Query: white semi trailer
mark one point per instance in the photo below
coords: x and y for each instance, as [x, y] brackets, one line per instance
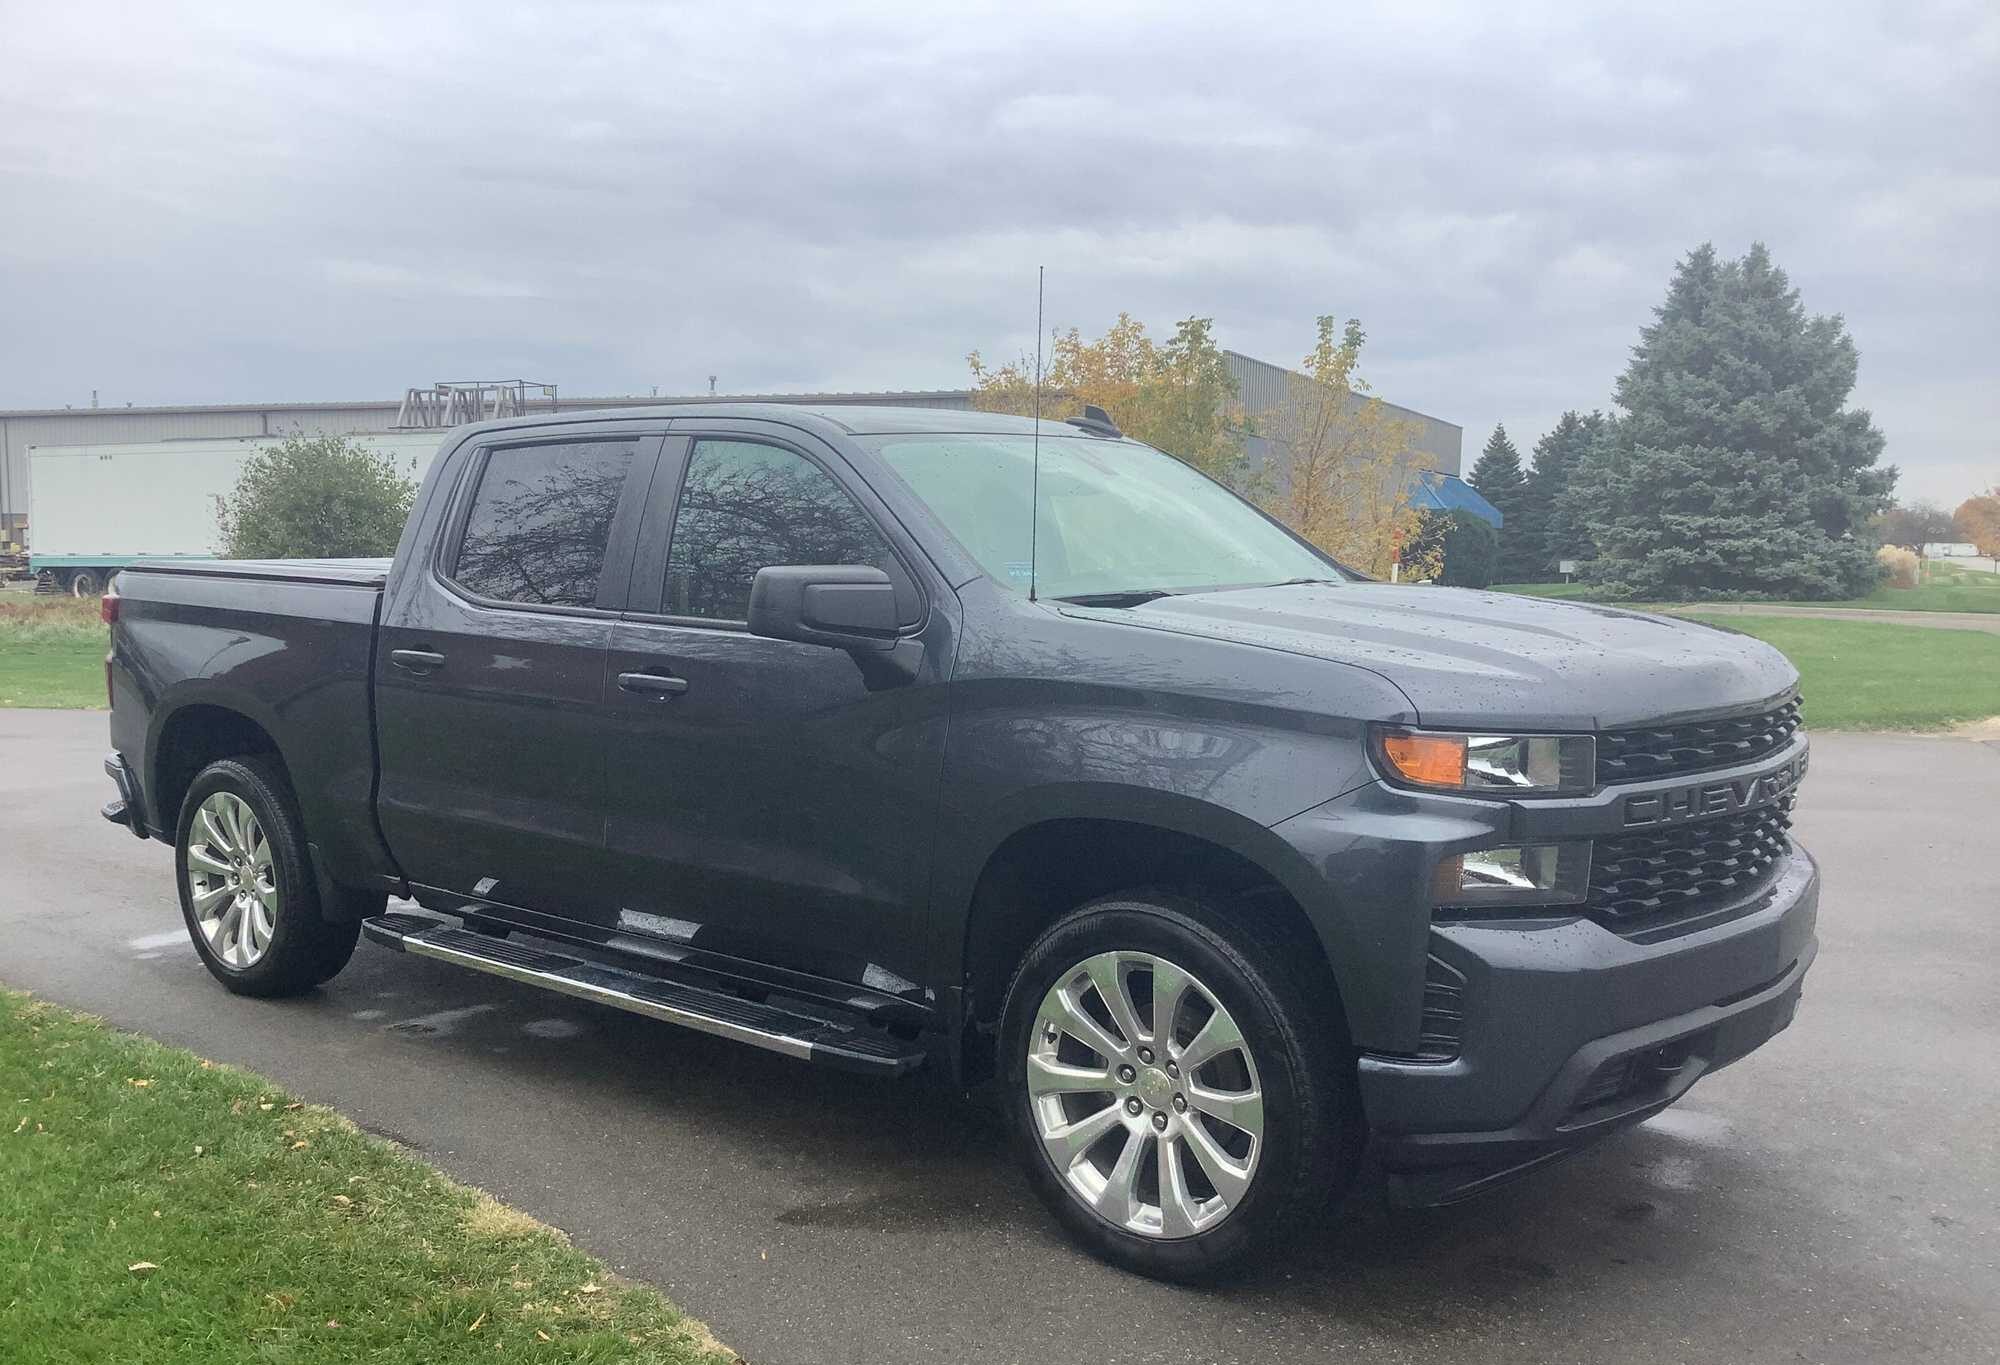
[95, 509]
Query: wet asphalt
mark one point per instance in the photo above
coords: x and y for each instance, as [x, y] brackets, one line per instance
[1834, 1198]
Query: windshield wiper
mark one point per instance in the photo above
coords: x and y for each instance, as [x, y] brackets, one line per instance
[1130, 597]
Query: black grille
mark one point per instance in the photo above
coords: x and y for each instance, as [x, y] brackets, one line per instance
[1632, 755]
[1669, 875]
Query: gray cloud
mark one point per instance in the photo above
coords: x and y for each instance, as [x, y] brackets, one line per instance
[270, 202]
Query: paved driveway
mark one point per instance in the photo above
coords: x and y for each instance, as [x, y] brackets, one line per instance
[1833, 1198]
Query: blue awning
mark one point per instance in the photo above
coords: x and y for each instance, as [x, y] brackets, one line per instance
[1435, 491]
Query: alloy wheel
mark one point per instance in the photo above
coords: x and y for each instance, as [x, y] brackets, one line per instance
[232, 881]
[1145, 1095]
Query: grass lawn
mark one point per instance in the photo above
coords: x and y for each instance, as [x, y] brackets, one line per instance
[1871, 675]
[157, 1208]
[51, 652]
[1946, 587]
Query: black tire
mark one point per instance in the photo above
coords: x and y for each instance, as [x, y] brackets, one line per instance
[1262, 971]
[305, 948]
[84, 583]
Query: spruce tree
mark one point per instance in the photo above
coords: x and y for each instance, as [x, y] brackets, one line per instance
[1498, 477]
[1735, 468]
[1551, 490]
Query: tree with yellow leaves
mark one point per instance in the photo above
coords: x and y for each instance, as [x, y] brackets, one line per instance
[1177, 396]
[1343, 463]
[1978, 520]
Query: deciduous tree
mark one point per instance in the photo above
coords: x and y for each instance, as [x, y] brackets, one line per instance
[1978, 520]
[1177, 396]
[315, 497]
[1342, 461]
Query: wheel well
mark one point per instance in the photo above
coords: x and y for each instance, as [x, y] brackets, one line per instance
[1041, 873]
[195, 737]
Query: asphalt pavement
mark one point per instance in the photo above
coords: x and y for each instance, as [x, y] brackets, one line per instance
[1834, 1198]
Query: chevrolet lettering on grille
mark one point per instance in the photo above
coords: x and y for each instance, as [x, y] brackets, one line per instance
[1706, 800]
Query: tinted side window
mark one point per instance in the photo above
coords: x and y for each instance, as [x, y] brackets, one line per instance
[745, 507]
[540, 521]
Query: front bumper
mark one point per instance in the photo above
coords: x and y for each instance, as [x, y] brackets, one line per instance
[1572, 1032]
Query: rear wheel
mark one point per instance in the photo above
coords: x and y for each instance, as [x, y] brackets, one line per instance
[85, 583]
[247, 889]
[1180, 1088]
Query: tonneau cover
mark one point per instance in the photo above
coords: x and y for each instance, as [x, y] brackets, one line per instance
[351, 573]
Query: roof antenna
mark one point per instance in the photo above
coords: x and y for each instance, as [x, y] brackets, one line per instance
[1035, 486]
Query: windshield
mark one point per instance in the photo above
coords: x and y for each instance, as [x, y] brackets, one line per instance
[1116, 517]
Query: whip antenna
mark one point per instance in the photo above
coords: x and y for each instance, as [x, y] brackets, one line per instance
[1035, 484]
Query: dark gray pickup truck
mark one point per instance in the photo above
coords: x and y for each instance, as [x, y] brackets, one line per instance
[1222, 869]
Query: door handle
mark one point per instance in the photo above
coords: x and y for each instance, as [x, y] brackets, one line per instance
[416, 660]
[652, 684]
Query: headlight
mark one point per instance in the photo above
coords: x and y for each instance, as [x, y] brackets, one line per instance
[1517, 875]
[1488, 765]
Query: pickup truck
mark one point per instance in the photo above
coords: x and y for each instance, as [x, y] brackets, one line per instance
[1022, 753]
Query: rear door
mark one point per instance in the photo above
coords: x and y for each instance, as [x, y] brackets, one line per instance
[765, 801]
[490, 670]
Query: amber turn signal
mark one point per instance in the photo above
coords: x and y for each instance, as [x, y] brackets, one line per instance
[1432, 760]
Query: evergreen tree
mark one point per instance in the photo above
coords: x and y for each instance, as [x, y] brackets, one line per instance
[1551, 496]
[1497, 475]
[1735, 469]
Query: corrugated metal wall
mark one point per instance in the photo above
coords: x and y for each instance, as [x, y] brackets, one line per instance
[1261, 387]
[93, 426]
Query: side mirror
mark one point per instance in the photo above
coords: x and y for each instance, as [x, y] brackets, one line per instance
[843, 606]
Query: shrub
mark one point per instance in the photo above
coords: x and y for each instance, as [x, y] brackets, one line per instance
[1899, 564]
[315, 497]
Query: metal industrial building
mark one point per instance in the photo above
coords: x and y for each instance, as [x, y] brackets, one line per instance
[1260, 384]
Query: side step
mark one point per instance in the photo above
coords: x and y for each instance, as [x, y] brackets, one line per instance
[767, 1026]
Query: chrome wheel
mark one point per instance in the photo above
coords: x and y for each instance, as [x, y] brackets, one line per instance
[1145, 1095]
[232, 883]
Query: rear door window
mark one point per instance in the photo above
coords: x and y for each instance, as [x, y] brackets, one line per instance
[540, 521]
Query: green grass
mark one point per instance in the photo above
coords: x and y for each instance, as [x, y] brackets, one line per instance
[1872, 675]
[276, 1231]
[1946, 587]
[51, 652]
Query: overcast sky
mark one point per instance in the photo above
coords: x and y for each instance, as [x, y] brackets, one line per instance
[209, 203]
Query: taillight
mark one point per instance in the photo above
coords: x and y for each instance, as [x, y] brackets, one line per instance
[107, 608]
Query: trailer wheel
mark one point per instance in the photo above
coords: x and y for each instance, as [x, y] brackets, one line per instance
[85, 584]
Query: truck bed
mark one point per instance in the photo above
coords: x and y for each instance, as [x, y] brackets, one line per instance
[344, 573]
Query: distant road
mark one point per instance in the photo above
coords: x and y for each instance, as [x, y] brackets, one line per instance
[1936, 620]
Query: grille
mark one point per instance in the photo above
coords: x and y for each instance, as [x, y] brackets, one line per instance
[1667, 876]
[1631, 755]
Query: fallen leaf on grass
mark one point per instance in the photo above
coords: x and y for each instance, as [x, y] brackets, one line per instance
[477, 1323]
[138, 1082]
[300, 1143]
[295, 1104]
[267, 1105]
[199, 1150]
[331, 1323]
[540, 1335]
[284, 1301]
[22, 1124]
[590, 1289]
[141, 1269]
[343, 1201]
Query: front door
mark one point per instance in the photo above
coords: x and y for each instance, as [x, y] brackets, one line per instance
[490, 673]
[763, 802]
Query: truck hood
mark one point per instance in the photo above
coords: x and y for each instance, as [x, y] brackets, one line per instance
[1486, 659]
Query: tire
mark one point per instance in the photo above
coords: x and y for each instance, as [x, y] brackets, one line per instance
[281, 942]
[84, 583]
[1290, 1083]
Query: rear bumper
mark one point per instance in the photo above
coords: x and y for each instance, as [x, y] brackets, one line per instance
[1572, 1033]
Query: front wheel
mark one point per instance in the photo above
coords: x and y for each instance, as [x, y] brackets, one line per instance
[248, 892]
[1179, 1084]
